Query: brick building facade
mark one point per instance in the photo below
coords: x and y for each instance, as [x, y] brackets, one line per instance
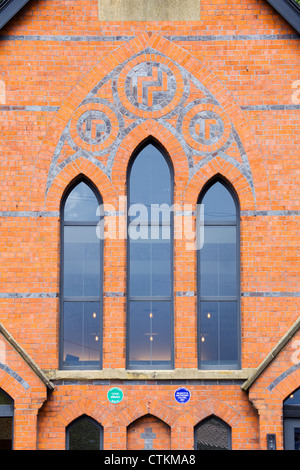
[218, 99]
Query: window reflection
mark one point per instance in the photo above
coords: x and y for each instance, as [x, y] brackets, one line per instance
[81, 261]
[150, 334]
[150, 261]
[81, 204]
[218, 204]
[218, 269]
[218, 261]
[81, 333]
[81, 276]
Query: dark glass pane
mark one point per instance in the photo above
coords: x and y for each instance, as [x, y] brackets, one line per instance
[150, 181]
[81, 342]
[6, 433]
[84, 434]
[297, 438]
[150, 267]
[228, 333]
[212, 435]
[81, 205]
[81, 261]
[5, 399]
[218, 263]
[293, 399]
[150, 334]
[219, 334]
[150, 199]
[209, 343]
[218, 204]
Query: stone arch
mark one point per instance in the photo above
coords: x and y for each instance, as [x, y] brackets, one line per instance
[75, 409]
[13, 384]
[216, 408]
[151, 130]
[69, 173]
[219, 167]
[148, 432]
[176, 60]
[285, 384]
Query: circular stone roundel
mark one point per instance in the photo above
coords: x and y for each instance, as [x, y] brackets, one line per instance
[94, 126]
[150, 86]
[206, 127]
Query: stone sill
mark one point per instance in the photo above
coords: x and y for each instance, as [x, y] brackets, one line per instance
[123, 374]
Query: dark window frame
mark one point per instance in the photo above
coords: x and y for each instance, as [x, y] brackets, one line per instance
[219, 178]
[7, 411]
[291, 410]
[135, 154]
[79, 179]
[89, 418]
[221, 421]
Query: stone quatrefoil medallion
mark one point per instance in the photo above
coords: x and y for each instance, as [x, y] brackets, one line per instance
[206, 127]
[149, 86]
[150, 89]
[94, 127]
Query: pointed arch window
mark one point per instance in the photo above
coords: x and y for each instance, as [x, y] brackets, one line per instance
[219, 279]
[84, 433]
[150, 260]
[6, 421]
[212, 434]
[81, 278]
[291, 421]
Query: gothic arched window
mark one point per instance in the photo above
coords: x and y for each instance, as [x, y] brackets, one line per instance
[6, 421]
[84, 433]
[150, 260]
[212, 434]
[81, 278]
[219, 279]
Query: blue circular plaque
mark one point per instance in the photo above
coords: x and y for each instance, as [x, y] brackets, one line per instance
[182, 395]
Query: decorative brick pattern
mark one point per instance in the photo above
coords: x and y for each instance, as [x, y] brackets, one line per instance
[145, 432]
[149, 86]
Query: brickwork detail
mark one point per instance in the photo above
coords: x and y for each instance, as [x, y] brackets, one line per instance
[149, 86]
[148, 433]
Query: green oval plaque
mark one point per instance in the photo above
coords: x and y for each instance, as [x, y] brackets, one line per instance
[115, 395]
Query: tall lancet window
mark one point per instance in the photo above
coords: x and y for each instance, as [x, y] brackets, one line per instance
[150, 260]
[219, 279]
[81, 278]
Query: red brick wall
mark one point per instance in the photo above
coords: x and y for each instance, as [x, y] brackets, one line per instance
[247, 58]
[147, 431]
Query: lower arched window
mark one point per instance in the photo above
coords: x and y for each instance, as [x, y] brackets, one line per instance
[291, 421]
[84, 434]
[212, 434]
[6, 421]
